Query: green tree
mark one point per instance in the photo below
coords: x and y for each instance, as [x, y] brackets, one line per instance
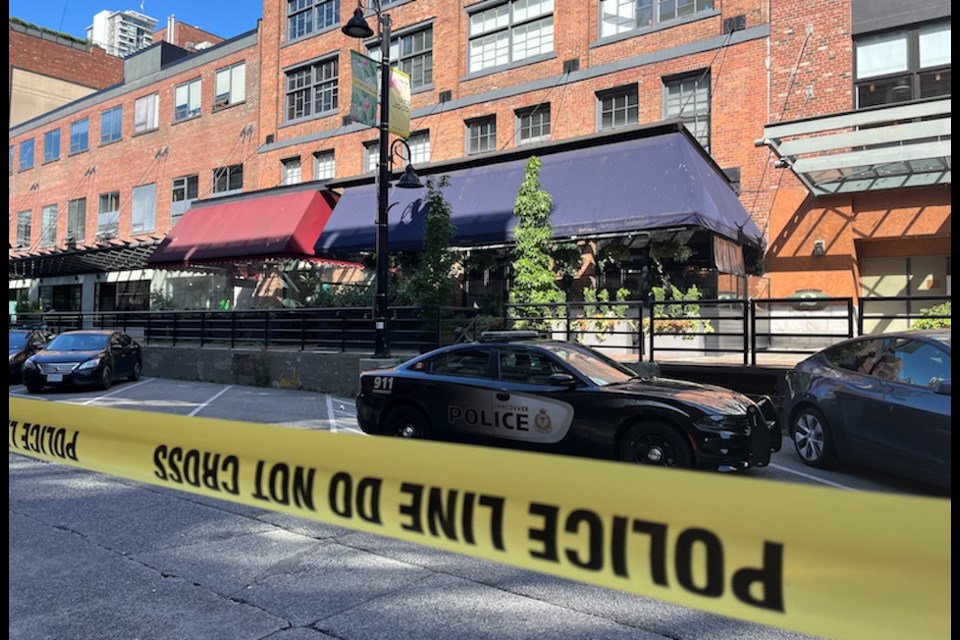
[432, 285]
[534, 280]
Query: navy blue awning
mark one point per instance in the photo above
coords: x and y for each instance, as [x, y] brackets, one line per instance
[642, 184]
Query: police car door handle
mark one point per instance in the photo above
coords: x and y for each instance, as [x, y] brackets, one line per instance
[503, 396]
[429, 386]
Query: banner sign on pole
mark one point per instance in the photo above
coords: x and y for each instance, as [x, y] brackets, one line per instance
[363, 95]
[399, 103]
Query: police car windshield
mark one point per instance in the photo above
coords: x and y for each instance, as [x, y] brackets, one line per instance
[600, 369]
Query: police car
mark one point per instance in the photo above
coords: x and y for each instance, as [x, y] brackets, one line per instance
[515, 389]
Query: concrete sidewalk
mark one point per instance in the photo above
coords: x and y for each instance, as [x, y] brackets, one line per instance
[93, 557]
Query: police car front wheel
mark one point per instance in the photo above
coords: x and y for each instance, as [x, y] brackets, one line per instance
[406, 422]
[655, 444]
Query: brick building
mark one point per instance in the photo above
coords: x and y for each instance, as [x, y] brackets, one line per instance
[493, 82]
[46, 70]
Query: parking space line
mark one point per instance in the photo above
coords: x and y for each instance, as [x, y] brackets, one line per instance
[330, 418]
[116, 391]
[215, 396]
[814, 478]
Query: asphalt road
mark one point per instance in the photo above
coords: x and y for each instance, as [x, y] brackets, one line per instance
[99, 557]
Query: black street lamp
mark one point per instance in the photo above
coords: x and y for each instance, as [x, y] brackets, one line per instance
[357, 27]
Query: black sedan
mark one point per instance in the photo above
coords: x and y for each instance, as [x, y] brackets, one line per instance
[512, 390]
[84, 358]
[880, 401]
[25, 340]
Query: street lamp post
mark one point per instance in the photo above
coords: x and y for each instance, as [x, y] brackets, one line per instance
[357, 27]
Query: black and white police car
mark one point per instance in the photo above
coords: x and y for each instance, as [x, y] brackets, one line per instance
[517, 390]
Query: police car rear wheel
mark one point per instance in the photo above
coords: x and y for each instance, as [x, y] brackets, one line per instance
[655, 444]
[406, 422]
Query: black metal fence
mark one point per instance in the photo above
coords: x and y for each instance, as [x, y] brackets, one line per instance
[751, 331]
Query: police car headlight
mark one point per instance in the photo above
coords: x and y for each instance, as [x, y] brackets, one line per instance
[724, 423]
[29, 364]
[89, 364]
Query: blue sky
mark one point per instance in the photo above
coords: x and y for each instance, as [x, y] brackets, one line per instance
[225, 18]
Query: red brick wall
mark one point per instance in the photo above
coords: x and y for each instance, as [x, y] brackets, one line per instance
[195, 146]
[92, 68]
[186, 36]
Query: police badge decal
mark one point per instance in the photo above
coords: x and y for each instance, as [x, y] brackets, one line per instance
[542, 422]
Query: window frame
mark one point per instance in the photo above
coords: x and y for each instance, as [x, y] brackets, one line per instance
[702, 81]
[26, 154]
[108, 219]
[303, 97]
[228, 175]
[76, 220]
[406, 62]
[24, 228]
[306, 15]
[652, 15]
[48, 225]
[530, 112]
[51, 154]
[184, 111]
[508, 27]
[490, 136]
[630, 91]
[320, 160]
[143, 219]
[291, 171]
[181, 193]
[233, 94]
[893, 82]
[151, 113]
[111, 125]
[76, 138]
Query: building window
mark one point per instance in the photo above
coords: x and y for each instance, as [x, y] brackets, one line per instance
[371, 156]
[509, 32]
[688, 98]
[26, 154]
[230, 86]
[291, 171]
[312, 90]
[144, 215]
[419, 142]
[481, 135]
[110, 125]
[79, 136]
[413, 54]
[620, 16]
[23, 229]
[323, 165]
[227, 180]
[77, 220]
[897, 66]
[618, 108]
[186, 189]
[51, 145]
[48, 225]
[108, 220]
[310, 16]
[533, 124]
[186, 100]
[145, 113]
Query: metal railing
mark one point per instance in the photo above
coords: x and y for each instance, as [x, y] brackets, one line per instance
[748, 331]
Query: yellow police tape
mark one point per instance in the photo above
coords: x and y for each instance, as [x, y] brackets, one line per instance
[839, 564]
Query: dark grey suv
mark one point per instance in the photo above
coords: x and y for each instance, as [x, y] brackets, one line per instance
[881, 401]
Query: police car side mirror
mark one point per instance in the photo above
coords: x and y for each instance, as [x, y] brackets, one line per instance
[561, 380]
